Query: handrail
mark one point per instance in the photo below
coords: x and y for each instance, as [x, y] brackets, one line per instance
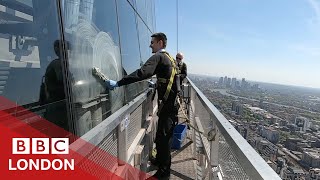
[252, 163]
[98, 133]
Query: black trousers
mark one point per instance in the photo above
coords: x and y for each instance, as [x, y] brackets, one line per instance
[166, 123]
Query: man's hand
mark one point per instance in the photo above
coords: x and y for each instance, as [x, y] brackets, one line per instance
[111, 84]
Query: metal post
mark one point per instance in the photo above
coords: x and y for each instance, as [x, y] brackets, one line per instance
[214, 153]
[122, 141]
[202, 163]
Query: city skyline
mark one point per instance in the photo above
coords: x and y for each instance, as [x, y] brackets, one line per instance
[274, 42]
[255, 81]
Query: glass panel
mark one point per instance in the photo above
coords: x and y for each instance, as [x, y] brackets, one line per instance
[128, 37]
[144, 40]
[31, 71]
[130, 53]
[142, 9]
[91, 28]
[149, 13]
[153, 22]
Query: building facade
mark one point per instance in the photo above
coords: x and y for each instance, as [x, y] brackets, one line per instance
[64, 40]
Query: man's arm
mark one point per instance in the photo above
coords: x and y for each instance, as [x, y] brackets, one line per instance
[146, 71]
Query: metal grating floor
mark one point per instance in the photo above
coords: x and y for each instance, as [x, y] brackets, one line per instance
[183, 162]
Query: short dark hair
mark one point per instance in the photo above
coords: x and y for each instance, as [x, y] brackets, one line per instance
[160, 36]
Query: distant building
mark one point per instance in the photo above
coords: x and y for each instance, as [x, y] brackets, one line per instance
[255, 87]
[243, 83]
[311, 158]
[267, 149]
[291, 143]
[221, 81]
[237, 84]
[303, 123]
[237, 107]
[294, 173]
[281, 166]
[225, 80]
[233, 83]
[314, 173]
[228, 82]
[271, 134]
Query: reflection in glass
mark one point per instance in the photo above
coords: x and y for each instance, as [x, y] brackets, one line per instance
[52, 89]
[95, 44]
[28, 31]
[144, 40]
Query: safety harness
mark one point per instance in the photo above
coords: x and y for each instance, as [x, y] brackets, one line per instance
[211, 134]
[163, 80]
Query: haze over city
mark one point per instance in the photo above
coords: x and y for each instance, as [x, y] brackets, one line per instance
[269, 41]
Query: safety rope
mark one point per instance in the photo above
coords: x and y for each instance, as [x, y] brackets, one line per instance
[210, 136]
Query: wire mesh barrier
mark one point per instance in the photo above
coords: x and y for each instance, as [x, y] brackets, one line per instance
[232, 157]
[134, 125]
[226, 156]
[228, 162]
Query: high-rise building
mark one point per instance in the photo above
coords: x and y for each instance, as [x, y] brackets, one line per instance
[237, 107]
[243, 83]
[228, 82]
[233, 82]
[221, 81]
[225, 80]
[302, 123]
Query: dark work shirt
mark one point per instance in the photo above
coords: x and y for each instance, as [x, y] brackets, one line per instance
[182, 70]
[54, 81]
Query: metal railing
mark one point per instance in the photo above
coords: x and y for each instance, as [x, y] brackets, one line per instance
[125, 137]
[128, 135]
[228, 155]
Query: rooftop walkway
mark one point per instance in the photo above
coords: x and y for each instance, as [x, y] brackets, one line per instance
[183, 163]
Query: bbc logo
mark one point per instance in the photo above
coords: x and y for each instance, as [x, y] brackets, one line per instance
[40, 146]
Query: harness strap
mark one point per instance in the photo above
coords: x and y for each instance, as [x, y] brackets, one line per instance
[173, 72]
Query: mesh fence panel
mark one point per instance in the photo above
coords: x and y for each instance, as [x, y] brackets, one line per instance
[134, 125]
[229, 163]
[109, 145]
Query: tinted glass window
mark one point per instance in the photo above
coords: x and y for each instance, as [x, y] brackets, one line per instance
[142, 9]
[31, 71]
[144, 40]
[91, 28]
[128, 37]
[130, 52]
[149, 13]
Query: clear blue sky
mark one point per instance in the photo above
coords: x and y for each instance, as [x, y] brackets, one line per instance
[263, 40]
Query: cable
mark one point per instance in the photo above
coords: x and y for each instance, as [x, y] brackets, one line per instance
[211, 134]
[177, 26]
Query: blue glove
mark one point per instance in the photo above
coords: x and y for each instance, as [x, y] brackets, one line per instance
[111, 84]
